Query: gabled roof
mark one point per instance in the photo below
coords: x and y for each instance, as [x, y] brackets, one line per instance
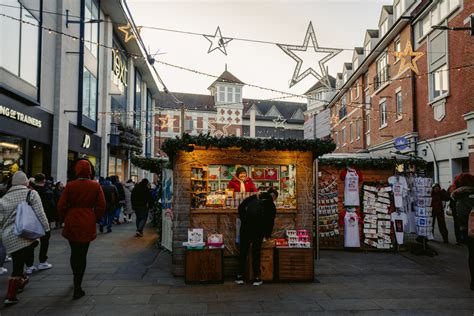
[359, 50]
[286, 109]
[273, 112]
[199, 102]
[226, 77]
[253, 106]
[348, 66]
[373, 33]
[319, 84]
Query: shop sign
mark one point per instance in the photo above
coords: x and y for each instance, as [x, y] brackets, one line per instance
[401, 143]
[20, 116]
[119, 69]
[86, 143]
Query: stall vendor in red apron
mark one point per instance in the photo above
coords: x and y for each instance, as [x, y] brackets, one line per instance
[241, 182]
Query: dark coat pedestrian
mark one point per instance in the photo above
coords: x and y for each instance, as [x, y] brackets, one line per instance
[438, 196]
[142, 202]
[463, 194]
[82, 204]
[111, 201]
[257, 216]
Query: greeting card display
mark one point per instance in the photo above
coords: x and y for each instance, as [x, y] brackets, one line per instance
[258, 174]
[271, 174]
[215, 241]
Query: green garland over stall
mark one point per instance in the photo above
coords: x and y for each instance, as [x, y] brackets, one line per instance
[317, 146]
[151, 164]
[373, 163]
[130, 139]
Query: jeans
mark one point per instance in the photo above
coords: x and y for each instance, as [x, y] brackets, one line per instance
[118, 210]
[142, 216]
[21, 257]
[44, 246]
[248, 237]
[3, 254]
[107, 219]
[78, 261]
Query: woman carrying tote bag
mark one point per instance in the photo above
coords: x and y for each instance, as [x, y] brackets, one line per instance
[19, 247]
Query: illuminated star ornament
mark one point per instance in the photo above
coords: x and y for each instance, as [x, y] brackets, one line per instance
[127, 30]
[217, 41]
[408, 52]
[166, 121]
[297, 75]
[279, 122]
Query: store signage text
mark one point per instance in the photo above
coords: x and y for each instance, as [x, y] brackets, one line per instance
[19, 116]
[86, 142]
[119, 67]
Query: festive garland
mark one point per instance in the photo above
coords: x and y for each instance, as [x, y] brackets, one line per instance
[130, 139]
[154, 165]
[374, 163]
[187, 142]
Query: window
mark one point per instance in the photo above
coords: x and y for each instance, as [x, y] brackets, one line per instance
[367, 122]
[425, 26]
[343, 136]
[397, 9]
[349, 96]
[440, 82]
[148, 121]
[366, 81]
[382, 71]
[91, 30]
[435, 15]
[343, 109]
[384, 28]
[439, 74]
[351, 134]
[221, 95]
[230, 94]
[355, 63]
[358, 129]
[443, 9]
[397, 48]
[336, 139]
[383, 114]
[356, 90]
[138, 101]
[367, 48]
[238, 94]
[89, 94]
[399, 104]
[367, 101]
[19, 54]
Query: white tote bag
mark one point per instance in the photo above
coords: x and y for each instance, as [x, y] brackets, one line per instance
[27, 224]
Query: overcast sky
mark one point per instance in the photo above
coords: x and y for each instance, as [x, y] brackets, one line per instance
[337, 23]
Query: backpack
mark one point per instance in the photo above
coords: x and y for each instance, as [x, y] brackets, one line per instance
[27, 224]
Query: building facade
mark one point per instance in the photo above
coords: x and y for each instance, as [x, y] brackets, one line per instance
[67, 77]
[385, 108]
[226, 112]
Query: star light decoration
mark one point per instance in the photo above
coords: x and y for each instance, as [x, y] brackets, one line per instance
[166, 121]
[217, 41]
[297, 76]
[408, 52]
[127, 30]
[279, 122]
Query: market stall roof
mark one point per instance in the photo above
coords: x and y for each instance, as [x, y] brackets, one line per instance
[370, 160]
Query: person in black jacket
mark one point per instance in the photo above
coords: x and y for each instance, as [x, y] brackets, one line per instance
[257, 216]
[121, 198]
[111, 201]
[142, 201]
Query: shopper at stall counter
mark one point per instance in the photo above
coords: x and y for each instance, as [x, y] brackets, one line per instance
[241, 182]
[463, 194]
[257, 214]
[438, 196]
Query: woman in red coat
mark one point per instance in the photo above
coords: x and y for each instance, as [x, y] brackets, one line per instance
[241, 183]
[81, 205]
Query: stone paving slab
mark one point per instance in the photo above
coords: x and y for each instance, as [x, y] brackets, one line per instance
[130, 276]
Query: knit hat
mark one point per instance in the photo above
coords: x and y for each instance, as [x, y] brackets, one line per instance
[19, 178]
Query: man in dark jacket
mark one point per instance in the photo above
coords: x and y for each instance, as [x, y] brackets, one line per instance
[142, 201]
[49, 206]
[257, 216]
[121, 197]
[438, 196]
[111, 201]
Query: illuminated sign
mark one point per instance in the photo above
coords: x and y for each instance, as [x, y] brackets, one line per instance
[87, 142]
[19, 116]
[119, 69]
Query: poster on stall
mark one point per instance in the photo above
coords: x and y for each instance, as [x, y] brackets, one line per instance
[167, 218]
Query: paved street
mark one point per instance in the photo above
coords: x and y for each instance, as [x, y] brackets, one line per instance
[128, 276]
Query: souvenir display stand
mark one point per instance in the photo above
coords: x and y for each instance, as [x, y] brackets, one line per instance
[368, 219]
[201, 198]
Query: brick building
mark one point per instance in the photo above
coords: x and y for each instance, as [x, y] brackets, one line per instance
[225, 112]
[377, 103]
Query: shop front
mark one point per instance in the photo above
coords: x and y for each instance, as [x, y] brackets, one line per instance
[204, 200]
[25, 138]
[84, 144]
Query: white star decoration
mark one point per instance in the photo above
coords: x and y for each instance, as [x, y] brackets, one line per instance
[217, 41]
[279, 122]
[297, 76]
[166, 121]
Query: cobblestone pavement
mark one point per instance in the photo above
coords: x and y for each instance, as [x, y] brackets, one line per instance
[127, 275]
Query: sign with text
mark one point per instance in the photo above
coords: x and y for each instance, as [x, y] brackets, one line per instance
[20, 116]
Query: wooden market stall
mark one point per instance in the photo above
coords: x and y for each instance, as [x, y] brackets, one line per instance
[374, 170]
[202, 169]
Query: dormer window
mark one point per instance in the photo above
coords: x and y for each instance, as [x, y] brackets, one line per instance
[367, 48]
[384, 28]
[229, 94]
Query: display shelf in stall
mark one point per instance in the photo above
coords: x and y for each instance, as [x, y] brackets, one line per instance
[204, 266]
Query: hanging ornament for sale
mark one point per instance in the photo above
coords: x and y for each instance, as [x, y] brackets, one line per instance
[217, 42]
[322, 76]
